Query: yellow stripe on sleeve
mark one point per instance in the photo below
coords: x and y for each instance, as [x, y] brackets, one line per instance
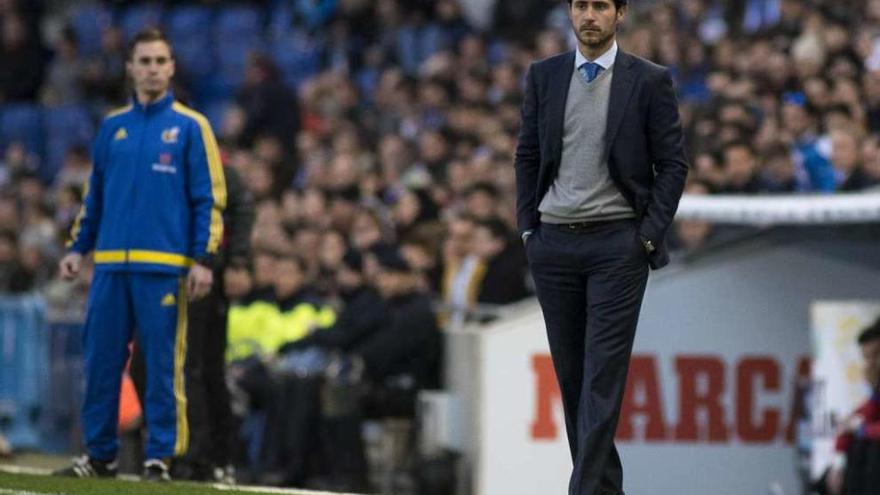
[215, 169]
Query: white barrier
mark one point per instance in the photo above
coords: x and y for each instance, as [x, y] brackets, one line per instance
[787, 209]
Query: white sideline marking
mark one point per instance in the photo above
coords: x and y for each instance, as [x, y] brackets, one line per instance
[4, 491]
[7, 468]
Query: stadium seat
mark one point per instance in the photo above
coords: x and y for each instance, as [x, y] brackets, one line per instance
[186, 26]
[237, 33]
[245, 22]
[214, 112]
[298, 58]
[280, 20]
[89, 23]
[21, 122]
[64, 127]
[139, 16]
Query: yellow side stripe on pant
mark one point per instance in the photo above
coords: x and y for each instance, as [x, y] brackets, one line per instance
[181, 444]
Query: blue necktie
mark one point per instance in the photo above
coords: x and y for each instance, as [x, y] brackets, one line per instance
[590, 71]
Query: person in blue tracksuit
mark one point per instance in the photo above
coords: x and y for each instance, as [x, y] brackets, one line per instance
[153, 217]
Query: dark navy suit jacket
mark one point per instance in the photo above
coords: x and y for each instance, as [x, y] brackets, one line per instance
[643, 141]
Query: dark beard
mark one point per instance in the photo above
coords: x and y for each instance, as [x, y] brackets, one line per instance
[596, 44]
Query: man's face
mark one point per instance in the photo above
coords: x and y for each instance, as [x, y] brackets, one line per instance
[151, 67]
[740, 163]
[391, 282]
[844, 151]
[288, 277]
[595, 21]
[871, 354]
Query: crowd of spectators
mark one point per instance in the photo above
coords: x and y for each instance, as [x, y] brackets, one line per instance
[387, 127]
[402, 117]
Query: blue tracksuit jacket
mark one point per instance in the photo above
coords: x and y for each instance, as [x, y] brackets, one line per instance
[156, 194]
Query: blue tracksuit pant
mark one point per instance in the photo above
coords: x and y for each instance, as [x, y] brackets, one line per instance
[154, 306]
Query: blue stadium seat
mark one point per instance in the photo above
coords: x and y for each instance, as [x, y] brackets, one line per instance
[139, 16]
[280, 20]
[238, 31]
[64, 127]
[240, 21]
[298, 57]
[232, 58]
[89, 22]
[214, 112]
[186, 27]
[21, 122]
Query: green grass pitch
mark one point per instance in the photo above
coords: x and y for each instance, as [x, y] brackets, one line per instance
[15, 483]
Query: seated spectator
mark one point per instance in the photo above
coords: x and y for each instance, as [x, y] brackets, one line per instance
[778, 170]
[414, 208]
[23, 60]
[846, 151]
[504, 280]
[404, 355]
[811, 155]
[64, 76]
[14, 278]
[363, 311]
[482, 201]
[299, 310]
[105, 71]
[856, 470]
[260, 323]
[740, 168]
[75, 169]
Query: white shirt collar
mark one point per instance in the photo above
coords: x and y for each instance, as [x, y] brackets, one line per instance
[605, 60]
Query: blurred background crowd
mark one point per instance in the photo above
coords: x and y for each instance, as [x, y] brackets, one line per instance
[374, 139]
[365, 122]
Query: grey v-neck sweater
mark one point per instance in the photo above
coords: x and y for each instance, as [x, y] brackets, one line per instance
[583, 189]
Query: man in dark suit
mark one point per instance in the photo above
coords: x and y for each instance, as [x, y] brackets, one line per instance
[600, 168]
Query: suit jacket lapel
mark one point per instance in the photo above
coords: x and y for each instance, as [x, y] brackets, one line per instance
[621, 90]
[559, 81]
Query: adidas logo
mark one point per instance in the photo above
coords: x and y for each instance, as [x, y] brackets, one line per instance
[120, 134]
[169, 300]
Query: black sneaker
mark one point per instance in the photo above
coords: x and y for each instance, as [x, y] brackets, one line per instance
[155, 470]
[86, 467]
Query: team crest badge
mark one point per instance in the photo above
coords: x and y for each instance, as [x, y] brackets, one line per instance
[120, 134]
[169, 136]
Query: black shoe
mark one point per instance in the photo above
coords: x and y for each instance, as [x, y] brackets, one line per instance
[86, 467]
[155, 470]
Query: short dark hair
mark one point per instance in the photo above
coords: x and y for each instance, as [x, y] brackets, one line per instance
[496, 227]
[147, 35]
[870, 334]
[617, 3]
